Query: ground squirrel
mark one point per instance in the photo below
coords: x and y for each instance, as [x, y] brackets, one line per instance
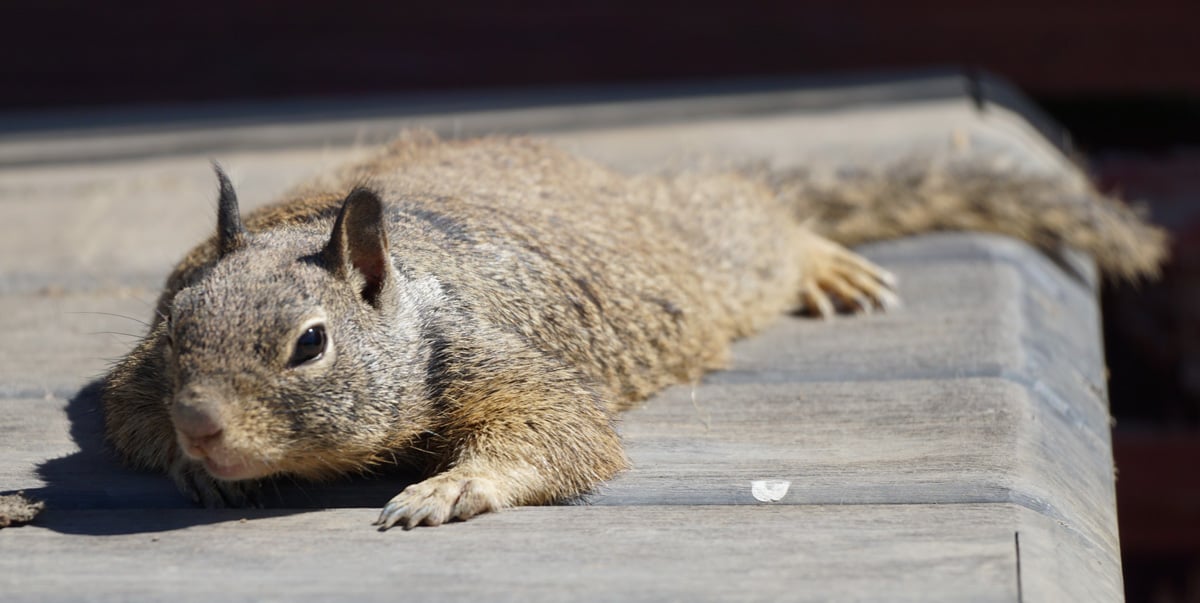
[484, 308]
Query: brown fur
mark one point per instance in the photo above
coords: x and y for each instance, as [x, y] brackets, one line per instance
[490, 306]
[920, 195]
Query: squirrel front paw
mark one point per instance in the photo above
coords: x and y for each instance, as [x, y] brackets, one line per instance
[440, 499]
[206, 490]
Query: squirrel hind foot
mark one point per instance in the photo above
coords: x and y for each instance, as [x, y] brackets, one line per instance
[837, 280]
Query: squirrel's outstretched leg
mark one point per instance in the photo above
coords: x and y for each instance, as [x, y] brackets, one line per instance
[835, 279]
[519, 429]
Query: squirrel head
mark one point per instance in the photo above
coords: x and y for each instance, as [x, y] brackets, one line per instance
[300, 350]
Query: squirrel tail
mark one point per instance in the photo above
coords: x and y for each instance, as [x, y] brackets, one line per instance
[915, 196]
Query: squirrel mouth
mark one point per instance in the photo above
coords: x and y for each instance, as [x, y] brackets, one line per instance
[221, 462]
[231, 471]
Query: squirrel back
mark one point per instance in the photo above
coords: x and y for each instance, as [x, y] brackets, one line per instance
[652, 269]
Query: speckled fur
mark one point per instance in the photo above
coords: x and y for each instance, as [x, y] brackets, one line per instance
[530, 295]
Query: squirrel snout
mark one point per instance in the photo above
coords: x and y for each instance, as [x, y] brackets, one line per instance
[198, 424]
[200, 433]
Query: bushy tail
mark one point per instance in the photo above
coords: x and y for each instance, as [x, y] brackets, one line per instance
[921, 195]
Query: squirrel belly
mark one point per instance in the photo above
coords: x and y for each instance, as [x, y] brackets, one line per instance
[485, 308]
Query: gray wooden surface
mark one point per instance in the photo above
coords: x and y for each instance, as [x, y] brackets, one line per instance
[956, 449]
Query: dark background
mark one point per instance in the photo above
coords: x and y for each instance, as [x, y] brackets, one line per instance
[1122, 77]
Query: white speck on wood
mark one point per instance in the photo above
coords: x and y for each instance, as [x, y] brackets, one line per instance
[769, 490]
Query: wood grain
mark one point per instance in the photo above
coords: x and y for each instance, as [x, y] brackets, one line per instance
[714, 553]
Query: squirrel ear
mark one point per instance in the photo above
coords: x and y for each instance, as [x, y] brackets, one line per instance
[358, 246]
[231, 235]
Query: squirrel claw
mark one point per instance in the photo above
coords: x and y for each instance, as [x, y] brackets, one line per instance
[838, 279]
[438, 500]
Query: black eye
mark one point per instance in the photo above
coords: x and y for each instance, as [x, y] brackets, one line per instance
[310, 345]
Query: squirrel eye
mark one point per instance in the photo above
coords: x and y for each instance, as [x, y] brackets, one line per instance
[310, 346]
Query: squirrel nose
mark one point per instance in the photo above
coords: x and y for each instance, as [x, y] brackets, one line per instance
[197, 423]
[196, 418]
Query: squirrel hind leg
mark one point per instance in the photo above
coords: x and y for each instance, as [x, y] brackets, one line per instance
[835, 280]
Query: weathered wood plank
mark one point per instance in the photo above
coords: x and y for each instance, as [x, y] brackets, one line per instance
[284, 126]
[56, 342]
[766, 553]
[925, 441]
[892, 553]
